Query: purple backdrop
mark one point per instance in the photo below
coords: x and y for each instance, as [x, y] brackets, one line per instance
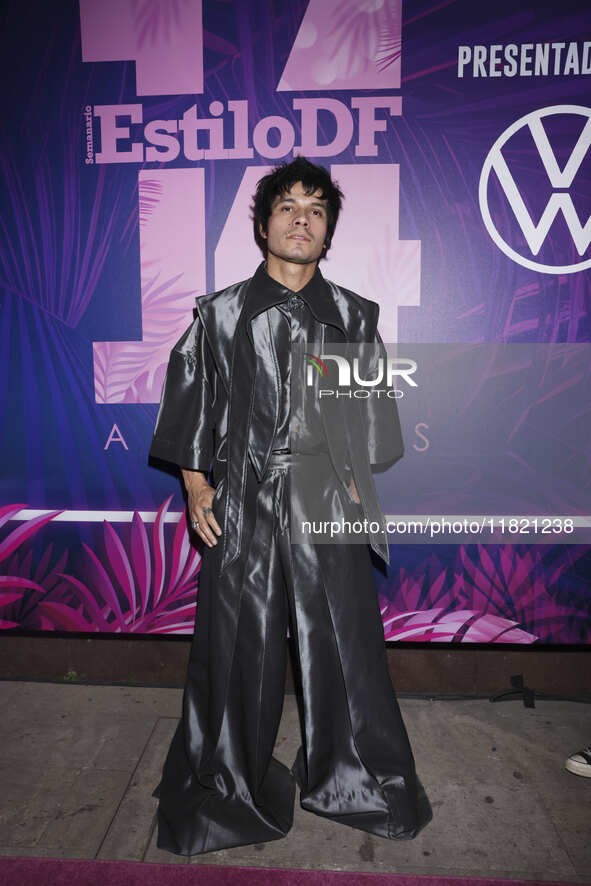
[133, 136]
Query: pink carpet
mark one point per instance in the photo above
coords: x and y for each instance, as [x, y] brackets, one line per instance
[74, 872]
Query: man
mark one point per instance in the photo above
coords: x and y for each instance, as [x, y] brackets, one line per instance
[225, 412]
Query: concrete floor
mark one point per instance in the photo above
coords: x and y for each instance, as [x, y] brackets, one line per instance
[79, 764]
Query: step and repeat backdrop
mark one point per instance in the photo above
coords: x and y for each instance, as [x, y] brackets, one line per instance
[133, 137]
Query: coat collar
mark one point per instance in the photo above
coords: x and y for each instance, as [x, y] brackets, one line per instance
[264, 291]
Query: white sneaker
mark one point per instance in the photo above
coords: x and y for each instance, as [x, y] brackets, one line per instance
[580, 763]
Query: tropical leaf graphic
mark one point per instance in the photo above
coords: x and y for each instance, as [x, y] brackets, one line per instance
[151, 587]
[149, 195]
[56, 258]
[145, 581]
[492, 593]
[21, 589]
[125, 371]
[364, 29]
[155, 19]
[136, 590]
[464, 625]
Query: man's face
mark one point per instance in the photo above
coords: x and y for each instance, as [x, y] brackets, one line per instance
[296, 229]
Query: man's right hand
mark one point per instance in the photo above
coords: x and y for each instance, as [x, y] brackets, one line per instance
[200, 495]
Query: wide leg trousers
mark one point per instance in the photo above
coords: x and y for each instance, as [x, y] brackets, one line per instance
[221, 785]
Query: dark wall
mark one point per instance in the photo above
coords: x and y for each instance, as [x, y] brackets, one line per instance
[161, 661]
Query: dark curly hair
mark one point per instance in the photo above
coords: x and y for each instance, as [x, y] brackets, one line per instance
[280, 180]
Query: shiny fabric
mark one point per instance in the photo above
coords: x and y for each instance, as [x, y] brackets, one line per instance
[209, 409]
[299, 424]
[226, 402]
[221, 785]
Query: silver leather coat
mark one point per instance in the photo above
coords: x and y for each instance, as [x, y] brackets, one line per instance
[209, 417]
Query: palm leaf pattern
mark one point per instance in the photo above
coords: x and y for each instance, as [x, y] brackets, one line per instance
[148, 587]
[492, 593]
[144, 580]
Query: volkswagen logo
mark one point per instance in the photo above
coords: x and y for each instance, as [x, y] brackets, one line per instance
[560, 176]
